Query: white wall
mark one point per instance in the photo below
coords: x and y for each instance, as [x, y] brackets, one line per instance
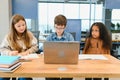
[5, 14]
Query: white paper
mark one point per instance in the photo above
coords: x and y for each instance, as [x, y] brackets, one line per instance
[30, 56]
[92, 57]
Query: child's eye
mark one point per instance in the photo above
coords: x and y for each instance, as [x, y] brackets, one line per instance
[18, 26]
[97, 30]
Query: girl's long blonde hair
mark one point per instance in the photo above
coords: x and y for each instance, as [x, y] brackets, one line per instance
[13, 35]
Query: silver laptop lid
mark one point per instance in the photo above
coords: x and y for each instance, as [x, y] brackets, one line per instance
[61, 52]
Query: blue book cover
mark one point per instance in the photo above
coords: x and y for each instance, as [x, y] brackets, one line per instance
[8, 59]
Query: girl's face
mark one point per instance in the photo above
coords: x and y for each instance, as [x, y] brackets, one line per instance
[95, 32]
[20, 26]
[59, 29]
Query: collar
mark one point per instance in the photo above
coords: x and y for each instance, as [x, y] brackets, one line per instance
[62, 37]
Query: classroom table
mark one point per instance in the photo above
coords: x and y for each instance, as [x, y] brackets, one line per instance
[85, 68]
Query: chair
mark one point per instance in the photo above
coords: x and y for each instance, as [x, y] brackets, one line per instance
[36, 34]
[73, 34]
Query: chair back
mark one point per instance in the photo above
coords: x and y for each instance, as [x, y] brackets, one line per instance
[73, 34]
[36, 34]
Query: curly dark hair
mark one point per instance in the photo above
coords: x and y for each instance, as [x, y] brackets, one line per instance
[104, 34]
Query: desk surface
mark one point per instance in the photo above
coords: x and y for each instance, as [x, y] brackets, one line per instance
[84, 68]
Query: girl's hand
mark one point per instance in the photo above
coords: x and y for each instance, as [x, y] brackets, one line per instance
[13, 53]
[23, 53]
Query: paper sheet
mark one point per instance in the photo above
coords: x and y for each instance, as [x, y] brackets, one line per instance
[30, 56]
[92, 57]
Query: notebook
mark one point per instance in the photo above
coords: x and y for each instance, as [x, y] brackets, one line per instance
[8, 60]
[11, 69]
[61, 52]
[8, 65]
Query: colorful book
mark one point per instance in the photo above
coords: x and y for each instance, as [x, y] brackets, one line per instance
[8, 65]
[12, 68]
[8, 60]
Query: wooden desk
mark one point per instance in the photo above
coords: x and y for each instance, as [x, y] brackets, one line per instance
[85, 68]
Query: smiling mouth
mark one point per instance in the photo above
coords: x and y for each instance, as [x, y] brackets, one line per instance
[94, 35]
[21, 30]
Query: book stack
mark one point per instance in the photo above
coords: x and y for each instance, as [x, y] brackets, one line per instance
[9, 63]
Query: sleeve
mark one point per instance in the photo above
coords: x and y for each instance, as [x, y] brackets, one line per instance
[107, 51]
[34, 45]
[5, 48]
[49, 38]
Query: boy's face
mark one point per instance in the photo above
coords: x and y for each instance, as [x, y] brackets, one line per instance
[59, 29]
[95, 32]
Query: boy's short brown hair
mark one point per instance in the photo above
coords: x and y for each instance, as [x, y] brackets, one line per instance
[60, 20]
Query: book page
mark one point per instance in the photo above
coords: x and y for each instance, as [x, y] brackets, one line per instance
[92, 57]
[30, 56]
[12, 68]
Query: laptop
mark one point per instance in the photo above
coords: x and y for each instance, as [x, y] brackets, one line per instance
[61, 52]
